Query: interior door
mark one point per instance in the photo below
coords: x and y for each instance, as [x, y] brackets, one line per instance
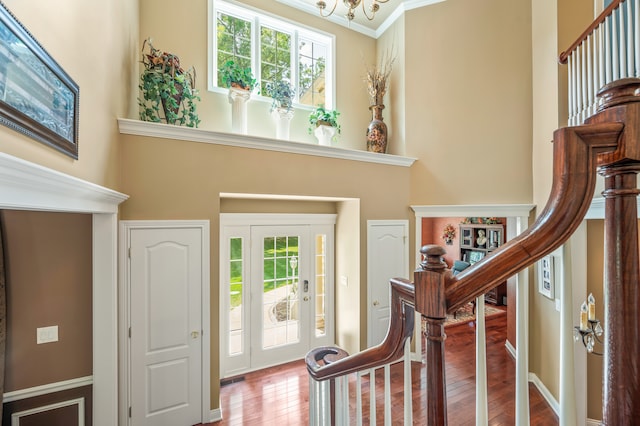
[281, 294]
[387, 257]
[166, 323]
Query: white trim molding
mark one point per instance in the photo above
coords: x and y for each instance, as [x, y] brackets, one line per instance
[29, 186]
[15, 417]
[215, 415]
[166, 131]
[546, 394]
[47, 389]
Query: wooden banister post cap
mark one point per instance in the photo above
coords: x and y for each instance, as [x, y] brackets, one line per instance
[432, 257]
[619, 92]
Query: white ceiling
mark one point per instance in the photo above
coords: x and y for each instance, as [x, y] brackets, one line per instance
[387, 14]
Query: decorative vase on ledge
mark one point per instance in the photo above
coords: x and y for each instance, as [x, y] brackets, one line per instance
[238, 99]
[324, 134]
[283, 118]
[377, 131]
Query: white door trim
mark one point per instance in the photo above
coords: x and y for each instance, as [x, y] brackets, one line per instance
[126, 226]
[370, 224]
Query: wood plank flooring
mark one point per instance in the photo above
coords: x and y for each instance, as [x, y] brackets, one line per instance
[280, 395]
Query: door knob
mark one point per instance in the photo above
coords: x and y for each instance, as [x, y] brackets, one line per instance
[194, 334]
[376, 303]
[306, 298]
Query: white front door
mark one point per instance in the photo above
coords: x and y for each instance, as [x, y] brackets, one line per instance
[276, 293]
[166, 326]
[387, 257]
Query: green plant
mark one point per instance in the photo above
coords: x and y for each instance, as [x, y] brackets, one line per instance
[165, 86]
[282, 93]
[320, 116]
[234, 75]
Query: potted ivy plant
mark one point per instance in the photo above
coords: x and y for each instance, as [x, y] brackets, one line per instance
[235, 76]
[240, 82]
[323, 123]
[281, 93]
[168, 92]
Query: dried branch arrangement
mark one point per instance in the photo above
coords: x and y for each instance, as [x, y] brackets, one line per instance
[377, 77]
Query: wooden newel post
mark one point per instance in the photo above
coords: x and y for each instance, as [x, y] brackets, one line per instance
[432, 305]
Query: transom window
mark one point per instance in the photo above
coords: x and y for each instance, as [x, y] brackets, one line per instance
[275, 49]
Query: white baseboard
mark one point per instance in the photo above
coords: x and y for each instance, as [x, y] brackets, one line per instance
[545, 393]
[510, 349]
[216, 415]
[591, 422]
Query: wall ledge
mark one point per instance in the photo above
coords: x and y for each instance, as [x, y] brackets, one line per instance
[160, 130]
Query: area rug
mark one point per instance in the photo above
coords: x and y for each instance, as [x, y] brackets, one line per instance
[465, 314]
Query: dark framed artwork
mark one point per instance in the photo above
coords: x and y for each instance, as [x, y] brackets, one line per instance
[37, 97]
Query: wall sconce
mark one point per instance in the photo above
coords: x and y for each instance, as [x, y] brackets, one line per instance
[589, 330]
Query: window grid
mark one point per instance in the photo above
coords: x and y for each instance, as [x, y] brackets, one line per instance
[308, 72]
[236, 287]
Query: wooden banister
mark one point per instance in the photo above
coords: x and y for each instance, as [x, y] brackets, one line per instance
[595, 24]
[328, 363]
[576, 151]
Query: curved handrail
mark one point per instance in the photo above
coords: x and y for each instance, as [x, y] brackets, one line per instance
[576, 151]
[322, 363]
[564, 56]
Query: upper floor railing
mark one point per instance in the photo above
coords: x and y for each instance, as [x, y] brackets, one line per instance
[608, 50]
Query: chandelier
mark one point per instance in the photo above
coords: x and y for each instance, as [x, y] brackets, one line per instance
[351, 5]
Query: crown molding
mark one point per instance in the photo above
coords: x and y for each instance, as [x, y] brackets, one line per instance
[160, 130]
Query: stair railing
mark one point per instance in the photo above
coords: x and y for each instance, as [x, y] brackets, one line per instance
[608, 50]
[332, 370]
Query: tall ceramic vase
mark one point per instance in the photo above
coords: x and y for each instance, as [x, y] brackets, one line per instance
[377, 131]
[238, 99]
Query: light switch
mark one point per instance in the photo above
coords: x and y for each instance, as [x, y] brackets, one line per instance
[47, 334]
[558, 305]
[344, 280]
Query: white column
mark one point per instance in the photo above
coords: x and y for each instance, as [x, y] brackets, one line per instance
[238, 99]
[482, 409]
[522, 339]
[283, 122]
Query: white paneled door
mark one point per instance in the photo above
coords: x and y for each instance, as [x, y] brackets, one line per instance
[166, 326]
[387, 257]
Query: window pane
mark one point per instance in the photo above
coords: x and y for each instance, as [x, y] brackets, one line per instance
[236, 282]
[312, 59]
[275, 55]
[234, 41]
[321, 273]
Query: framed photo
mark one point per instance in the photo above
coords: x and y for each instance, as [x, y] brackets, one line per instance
[475, 256]
[545, 277]
[37, 98]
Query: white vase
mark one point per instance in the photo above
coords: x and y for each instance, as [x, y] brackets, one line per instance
[238, 99]
[283, 121]
[324, 134]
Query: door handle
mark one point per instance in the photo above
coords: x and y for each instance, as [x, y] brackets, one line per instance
[306, 298]
[376, 303]
[194, 334]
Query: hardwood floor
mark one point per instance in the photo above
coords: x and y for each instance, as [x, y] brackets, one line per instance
[280, 395]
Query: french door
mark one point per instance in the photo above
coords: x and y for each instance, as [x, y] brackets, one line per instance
[276, 289]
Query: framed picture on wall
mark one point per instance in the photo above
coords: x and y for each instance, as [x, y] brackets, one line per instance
[37, 97]
[545, 277]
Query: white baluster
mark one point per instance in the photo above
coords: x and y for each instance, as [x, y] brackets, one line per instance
[372, 396]
[408, 382]
[482, 409]
[636, 36]
[630, 38]
[589, 81]
[358, 399]
[313, 402]
[342, 400]
[572, 90]
[615, 57]
[568, 411]
[387, 395]
[578, 84]
[608, 55]
[601, 59]
[522, 350]
[584, 83]
[623, 42]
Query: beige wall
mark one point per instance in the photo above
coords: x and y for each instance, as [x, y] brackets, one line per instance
[186, 37]
[96, 44]
[468, 102]
[170, 179]
[595, 278]
[555, 25]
